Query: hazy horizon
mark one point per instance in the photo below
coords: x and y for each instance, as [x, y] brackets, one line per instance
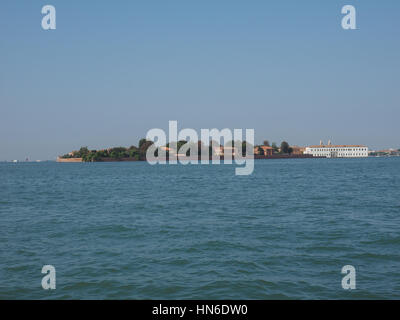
[111, 71]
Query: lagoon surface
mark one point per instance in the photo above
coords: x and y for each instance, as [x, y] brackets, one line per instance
[134, 231]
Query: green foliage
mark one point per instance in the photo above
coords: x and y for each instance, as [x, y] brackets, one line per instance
[143, 148]
[180, 144]
[246, 146]
[83, 151]
[66, 156]
[142, 142]
[133, 152]
[118, 153]
[285, 147]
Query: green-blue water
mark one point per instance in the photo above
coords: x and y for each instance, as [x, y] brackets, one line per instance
[135, 231]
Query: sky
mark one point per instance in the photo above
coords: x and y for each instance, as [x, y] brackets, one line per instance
[112, 70]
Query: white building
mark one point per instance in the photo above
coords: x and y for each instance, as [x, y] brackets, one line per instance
[337, 151]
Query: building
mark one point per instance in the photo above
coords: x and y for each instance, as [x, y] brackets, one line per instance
[221, 151]
[385, 153]
[298, 150]
[337, 151]
[268, 151]
[168, 149]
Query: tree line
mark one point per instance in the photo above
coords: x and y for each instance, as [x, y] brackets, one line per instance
[116, 153]
[138, 153]
[284, 148]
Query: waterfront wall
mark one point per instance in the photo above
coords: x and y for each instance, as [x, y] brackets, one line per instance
[74, 160]
[286, 156]
[117, 160]
[275, 156]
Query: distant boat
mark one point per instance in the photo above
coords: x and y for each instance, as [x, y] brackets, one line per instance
[15, 161]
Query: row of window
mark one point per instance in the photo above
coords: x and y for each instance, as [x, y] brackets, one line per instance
[322, 154]
[339, 149]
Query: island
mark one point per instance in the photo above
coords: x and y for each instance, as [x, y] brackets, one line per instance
[215, 150]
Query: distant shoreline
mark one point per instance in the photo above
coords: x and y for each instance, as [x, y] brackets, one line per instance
[256, 157]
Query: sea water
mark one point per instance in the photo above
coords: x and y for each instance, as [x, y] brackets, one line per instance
[136, 231]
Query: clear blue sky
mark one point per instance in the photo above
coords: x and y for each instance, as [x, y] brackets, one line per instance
[115, 69]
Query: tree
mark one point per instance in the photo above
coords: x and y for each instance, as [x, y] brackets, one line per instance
[246, 145]
[201, 148]
[133, 152]
[96, 157]
[66, 156]
[244, 148]
[284, 147]
[266, 143]
[180, 143]
[260, 151]
[102, 154]
[275, 147]
[119, 153]
[88, 156]
[83, 151]
[142, 142]
[143, 148]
